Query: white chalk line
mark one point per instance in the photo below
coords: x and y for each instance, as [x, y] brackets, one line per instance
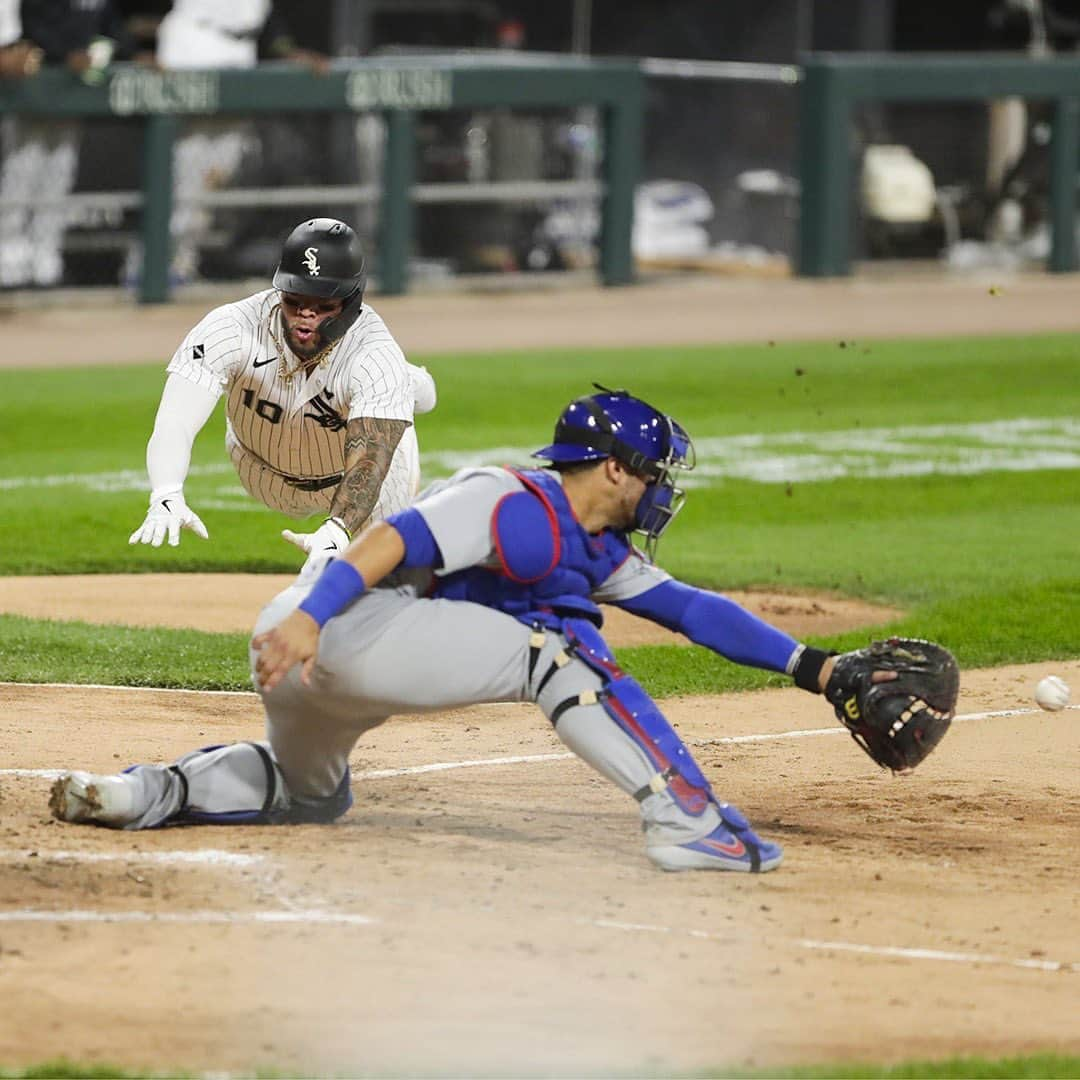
[306, 917]
[442, 766]
[212, 857]
[938, 954]
[324, 917]
[892, 951]
[413, 770]
[204, 856]
[116, 480]
[960, 449]
[528, 759]
[343, 918]
[130, 689]
[813, 732]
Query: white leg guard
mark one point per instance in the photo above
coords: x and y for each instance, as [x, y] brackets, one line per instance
[223, 785]
[239, 784]
[572, 696]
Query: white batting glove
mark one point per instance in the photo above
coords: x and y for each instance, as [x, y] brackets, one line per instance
[168, 514]
[423, 388]
[328, 541]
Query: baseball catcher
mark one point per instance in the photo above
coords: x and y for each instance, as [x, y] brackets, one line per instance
[488, 589]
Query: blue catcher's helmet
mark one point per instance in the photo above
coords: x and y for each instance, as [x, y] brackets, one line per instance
[614, 423]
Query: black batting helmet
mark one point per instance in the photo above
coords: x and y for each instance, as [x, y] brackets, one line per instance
[322, 257]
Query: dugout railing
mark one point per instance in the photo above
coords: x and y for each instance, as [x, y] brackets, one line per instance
[830, 87]
[399, 88]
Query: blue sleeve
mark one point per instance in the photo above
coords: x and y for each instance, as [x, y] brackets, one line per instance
[712, 620]
[420, 546]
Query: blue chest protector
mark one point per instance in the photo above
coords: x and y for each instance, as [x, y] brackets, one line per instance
[548, 565]
[547, 568]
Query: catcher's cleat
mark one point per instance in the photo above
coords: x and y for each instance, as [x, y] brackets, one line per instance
[84, 797]
[732, 845]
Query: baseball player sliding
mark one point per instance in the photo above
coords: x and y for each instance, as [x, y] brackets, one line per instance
[486, 589]
[319, 400]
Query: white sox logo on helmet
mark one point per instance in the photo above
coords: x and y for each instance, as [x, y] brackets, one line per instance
[311, 262]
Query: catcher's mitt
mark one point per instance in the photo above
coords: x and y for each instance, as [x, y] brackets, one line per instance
[900, 721]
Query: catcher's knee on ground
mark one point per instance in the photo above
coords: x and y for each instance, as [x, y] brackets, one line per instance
[239, 784]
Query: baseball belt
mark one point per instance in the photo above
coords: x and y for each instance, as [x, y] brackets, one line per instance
[321, 484]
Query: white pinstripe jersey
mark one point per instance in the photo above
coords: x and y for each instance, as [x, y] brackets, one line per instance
[297, 428]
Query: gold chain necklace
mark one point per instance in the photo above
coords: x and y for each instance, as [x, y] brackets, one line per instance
[320, 359]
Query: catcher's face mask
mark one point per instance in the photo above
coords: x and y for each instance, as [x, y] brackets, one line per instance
[648, 442]
[662, 499]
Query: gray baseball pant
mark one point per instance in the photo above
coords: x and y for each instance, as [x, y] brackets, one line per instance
[392, 652]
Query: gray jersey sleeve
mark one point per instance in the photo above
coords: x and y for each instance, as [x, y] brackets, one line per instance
[458, 513]
[635, 576]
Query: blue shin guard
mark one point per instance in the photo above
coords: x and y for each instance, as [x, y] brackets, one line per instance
[637, 715]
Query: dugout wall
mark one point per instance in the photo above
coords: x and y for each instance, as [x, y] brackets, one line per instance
[397, 88]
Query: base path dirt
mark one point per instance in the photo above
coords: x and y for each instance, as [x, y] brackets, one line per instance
[495, 914]
[671, 311]
[230, 602]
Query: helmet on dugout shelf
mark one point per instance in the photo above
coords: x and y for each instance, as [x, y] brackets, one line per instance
[322, 257]
[614, 423]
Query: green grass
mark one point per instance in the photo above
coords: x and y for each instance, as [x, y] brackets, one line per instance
[63, 1069]
[987, 631]
[1048, 1066]
[908, 541]
[54, 423]
[40, 651]
[730, 389]
[985, 562]
[44, 650]
[1030, 1067]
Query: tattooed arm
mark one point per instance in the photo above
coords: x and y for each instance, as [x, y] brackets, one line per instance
[369, 446]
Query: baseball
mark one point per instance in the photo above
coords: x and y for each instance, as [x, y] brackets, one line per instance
[1052, 693]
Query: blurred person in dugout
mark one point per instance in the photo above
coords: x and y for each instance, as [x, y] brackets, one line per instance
[199, 34]
[19, 58]
[41, 155]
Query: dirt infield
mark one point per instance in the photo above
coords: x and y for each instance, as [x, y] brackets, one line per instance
[671, 311]
[228, 602]
[502, 917]
[486, 906]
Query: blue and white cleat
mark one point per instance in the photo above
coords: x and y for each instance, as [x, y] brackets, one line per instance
[732, 845]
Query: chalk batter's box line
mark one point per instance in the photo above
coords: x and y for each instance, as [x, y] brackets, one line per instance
[883, 951]
[321, 916]
[523, 759]
[81, 915]
[211, 858]
[189, 857]
[338, 918]
[311, 917]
